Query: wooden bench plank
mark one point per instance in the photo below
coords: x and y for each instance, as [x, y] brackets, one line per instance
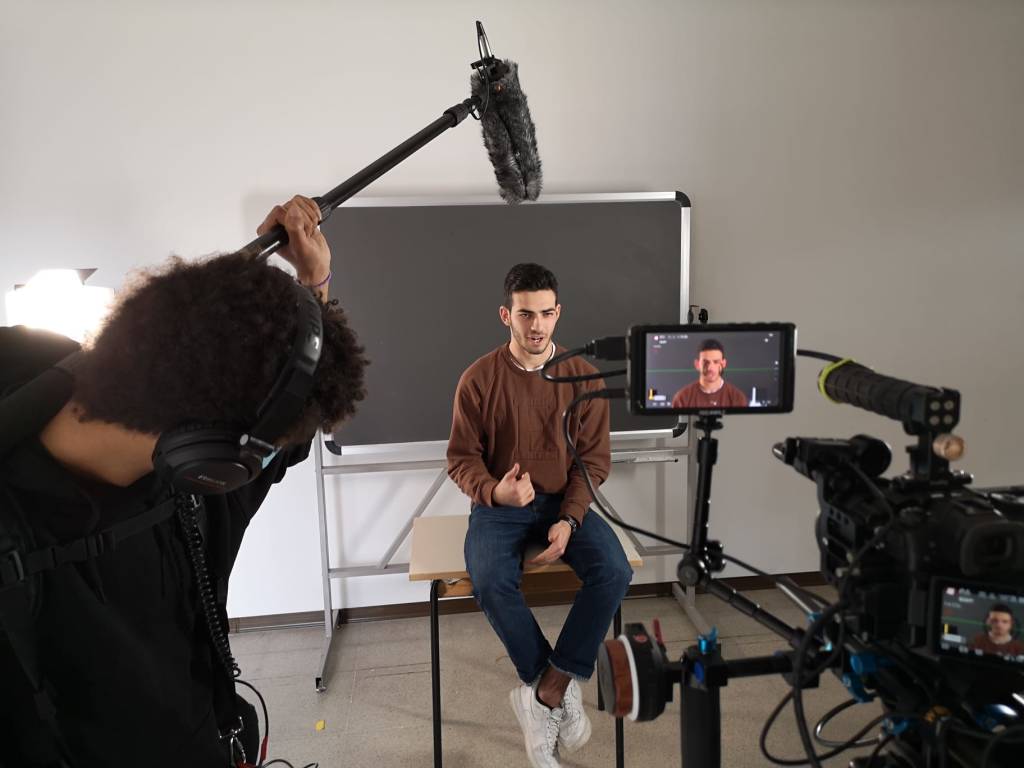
[437, 550]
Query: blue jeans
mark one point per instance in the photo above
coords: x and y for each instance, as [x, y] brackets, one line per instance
[495, 542]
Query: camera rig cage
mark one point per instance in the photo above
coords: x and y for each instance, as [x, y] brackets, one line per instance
[911, 559]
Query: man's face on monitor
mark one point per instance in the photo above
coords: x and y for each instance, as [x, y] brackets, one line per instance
[532, 320]
[710, 363]
[999, 624]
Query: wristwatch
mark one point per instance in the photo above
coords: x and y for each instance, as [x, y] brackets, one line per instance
[573, 525]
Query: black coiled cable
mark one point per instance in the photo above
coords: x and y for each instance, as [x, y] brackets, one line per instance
[188, 506]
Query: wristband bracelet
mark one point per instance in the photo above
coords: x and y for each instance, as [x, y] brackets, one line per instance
[321, 284]
[573, 524]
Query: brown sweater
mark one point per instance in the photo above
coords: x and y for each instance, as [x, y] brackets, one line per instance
[505, 415]
[982, 642]
[692, 396]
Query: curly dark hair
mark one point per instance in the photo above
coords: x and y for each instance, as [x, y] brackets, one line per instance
[202, 342]
[529, 277]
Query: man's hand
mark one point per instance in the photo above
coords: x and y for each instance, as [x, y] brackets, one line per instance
[558, 535]
[512, 490]
[307, 249]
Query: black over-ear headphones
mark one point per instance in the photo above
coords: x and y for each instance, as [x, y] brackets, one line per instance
[205, 459]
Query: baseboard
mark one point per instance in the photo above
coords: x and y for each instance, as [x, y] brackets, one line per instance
[276, 621]
[561, 594]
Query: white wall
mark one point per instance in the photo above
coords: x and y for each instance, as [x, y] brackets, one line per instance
[856, 167]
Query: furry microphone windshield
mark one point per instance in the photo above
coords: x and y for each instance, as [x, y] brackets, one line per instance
[509, 133]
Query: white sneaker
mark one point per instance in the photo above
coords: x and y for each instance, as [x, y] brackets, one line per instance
[540, 727]
[574, 731]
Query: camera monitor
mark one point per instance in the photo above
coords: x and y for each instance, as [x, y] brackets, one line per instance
[979, 623]
[726, 368]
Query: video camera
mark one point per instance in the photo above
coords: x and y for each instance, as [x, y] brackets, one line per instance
[929, 572]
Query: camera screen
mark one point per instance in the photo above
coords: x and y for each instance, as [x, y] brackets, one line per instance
[729, 368]
[978, 622]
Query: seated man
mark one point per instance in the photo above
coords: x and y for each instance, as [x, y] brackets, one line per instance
[998, 638]
[508, 454]
[106, 654]
[710, 390]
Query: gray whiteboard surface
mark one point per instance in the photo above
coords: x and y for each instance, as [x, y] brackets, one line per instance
[421, 280]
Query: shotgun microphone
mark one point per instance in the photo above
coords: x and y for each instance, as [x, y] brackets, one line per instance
[508, 130]
[497, 101]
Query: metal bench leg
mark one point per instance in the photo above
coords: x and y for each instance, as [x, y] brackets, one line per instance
[620, 754]
[435, 671]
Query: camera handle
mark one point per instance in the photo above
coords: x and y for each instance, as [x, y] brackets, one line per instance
[702, 672]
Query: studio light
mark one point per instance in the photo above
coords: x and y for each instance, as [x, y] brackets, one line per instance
[58, 300]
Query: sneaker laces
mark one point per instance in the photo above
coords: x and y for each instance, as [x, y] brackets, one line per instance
[571, 705]
[551, 732]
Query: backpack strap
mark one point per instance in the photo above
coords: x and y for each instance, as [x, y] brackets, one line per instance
[24, 412]
[16, 566]
[41, 741]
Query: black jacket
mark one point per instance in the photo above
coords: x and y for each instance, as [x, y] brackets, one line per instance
[120, 637]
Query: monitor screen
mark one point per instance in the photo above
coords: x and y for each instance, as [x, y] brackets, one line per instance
[980, 622]
[740, 368]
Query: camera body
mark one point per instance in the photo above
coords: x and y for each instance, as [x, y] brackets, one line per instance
[938, 533]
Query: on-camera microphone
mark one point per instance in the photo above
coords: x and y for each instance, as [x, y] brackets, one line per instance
[508, 130]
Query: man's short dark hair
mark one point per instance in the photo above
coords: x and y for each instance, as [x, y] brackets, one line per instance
[202, 342]
[529, 277]
[711, 345]
[1001, 608]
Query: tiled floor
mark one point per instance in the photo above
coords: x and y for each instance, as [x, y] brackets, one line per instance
[376, 709]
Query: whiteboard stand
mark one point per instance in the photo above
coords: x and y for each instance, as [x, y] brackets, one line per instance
[384, 565]
[330, 617]
[657, 456]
